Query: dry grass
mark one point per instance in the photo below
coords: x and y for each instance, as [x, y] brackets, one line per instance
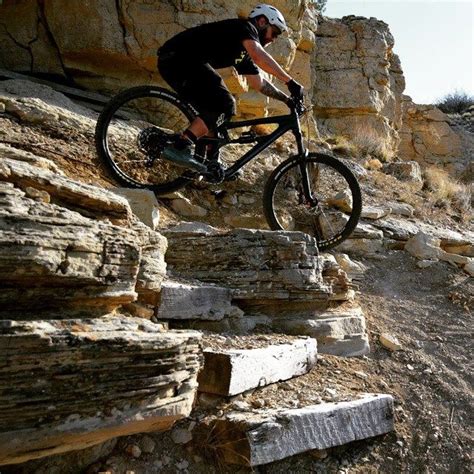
[444, 191]
[365, 143]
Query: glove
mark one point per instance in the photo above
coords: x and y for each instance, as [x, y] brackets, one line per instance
[296, 89]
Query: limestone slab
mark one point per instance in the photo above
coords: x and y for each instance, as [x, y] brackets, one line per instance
[270, 435]
[180, 300]
[230, 372]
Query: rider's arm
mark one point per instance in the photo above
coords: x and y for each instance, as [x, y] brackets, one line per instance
[259, 83]
[263, 60]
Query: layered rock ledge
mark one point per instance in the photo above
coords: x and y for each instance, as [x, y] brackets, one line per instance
[67, 385]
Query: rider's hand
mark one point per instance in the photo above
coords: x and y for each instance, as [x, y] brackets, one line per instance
[296, 89]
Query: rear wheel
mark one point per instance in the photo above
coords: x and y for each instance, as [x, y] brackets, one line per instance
[333, 209]
[132, 131]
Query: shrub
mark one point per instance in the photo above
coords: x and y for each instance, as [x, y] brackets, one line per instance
[456, 102]
[444, 190]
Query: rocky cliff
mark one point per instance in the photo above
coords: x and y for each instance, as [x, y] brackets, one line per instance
[349, 66]
[358, 80]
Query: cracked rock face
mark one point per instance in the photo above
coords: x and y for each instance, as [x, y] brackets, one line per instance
[115, 43]
[358, 79]
[427, 137]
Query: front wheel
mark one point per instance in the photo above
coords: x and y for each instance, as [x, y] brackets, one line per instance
[318, 195]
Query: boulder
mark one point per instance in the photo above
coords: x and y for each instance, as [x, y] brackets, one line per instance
[423, 246]
[143, 204]
[427, 137]
[405, 170]
[427, 247]
[469, 267]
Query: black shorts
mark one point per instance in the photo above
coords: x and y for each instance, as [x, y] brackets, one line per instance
[200, 85]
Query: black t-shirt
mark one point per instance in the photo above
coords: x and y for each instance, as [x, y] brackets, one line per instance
[218, 44]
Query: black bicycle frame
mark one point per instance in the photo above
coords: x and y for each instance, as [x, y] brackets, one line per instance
[285, 124]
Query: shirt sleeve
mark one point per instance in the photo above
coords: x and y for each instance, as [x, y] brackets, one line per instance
[247, 66]
[247, 31]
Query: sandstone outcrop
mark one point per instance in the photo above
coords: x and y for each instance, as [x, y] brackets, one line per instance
[71, 384]
[260, 266]
[277, 279]
[358, 80]
[115, 44]
[354, 79]
[54, 259]
[427, 137]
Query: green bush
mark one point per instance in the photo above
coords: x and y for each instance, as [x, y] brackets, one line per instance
[456, 102]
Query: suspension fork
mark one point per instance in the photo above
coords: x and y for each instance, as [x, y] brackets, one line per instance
[302, 155]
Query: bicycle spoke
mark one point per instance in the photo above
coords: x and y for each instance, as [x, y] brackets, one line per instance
[327, 212]
[132, 132]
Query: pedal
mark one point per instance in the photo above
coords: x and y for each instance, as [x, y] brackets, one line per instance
[215, 173]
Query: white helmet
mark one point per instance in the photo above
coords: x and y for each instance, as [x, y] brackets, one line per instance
[273, 16]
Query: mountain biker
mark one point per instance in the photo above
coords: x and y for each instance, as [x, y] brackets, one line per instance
[188, 63]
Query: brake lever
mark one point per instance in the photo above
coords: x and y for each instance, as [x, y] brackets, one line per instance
[298, 105]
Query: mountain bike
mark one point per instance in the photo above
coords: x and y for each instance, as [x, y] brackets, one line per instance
[310, 192]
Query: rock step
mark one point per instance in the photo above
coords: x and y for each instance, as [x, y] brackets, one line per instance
[54, 259]
[67, 385]
[339, 332]
[260, 266]
[230, 372]
[86, 199]
[264, 436]
[179, 300]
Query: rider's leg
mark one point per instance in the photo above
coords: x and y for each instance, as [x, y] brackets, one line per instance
[198, 127]
[208, 94]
